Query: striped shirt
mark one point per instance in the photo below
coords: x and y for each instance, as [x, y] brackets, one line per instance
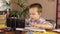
[39, 21]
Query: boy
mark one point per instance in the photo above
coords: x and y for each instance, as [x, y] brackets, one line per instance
[35, 20]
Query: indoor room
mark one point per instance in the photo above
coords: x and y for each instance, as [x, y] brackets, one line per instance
[30, 16]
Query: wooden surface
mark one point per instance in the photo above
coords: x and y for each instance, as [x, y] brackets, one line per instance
[33, 32]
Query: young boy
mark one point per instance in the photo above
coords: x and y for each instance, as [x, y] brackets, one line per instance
[35, 20]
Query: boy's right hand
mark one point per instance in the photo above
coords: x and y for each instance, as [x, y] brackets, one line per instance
[32, 25]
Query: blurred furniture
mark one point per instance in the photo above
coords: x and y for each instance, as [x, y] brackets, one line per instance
[58, 14]
[15, 22]
[2, 19]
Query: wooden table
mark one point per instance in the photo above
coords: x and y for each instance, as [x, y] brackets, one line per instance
[57, 31]
[24, 31]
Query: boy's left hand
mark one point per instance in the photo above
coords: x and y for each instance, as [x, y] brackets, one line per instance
[33, 25]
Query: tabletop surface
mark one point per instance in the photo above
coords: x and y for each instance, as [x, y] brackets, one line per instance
[34, 29]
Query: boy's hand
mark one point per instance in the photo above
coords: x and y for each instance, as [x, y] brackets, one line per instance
[32, 25]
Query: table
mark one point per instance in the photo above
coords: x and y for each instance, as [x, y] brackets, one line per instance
[57, 31]
[25, 30]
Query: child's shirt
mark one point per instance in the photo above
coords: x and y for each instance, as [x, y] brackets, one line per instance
[39, 21]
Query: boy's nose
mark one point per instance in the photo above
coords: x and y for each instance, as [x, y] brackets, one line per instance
[31, 16]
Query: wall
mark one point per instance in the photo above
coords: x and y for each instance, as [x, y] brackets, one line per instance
[49, 7]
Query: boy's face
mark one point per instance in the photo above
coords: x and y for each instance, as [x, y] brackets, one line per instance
[33, 13]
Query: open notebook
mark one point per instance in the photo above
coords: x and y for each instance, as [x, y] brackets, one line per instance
[56, 30]
[30, 29]
[35, 29]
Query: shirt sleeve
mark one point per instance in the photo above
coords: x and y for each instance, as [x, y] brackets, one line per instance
[43, 21]
[27, 22]
[47, 22]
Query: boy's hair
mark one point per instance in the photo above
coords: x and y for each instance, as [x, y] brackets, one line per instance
[38, 6]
